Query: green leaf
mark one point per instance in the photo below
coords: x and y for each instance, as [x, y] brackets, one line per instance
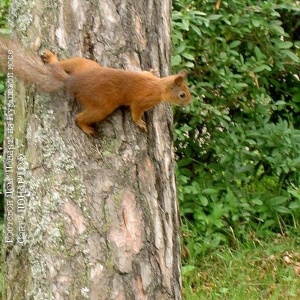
[268, 223]
[227, 21]
[280, 102]
[187, 269]
[258, 53]
[180, 48]
[241, 85]
[189, 65]
[214, 17]
[234, 44]
[294, 205]
[282, 209]
[296, 97]
[278, 29]
[176, 15]
[210, 191]
[261, 68]
[184, 162]
[185, 24]
[257, 202]
[2, 88]
[203, 200]
[235, 20]
[175, 60]
[291, 55]
[256, 22]
[188, 56]
[196, 29]
[284, 45]
[223, 55]
[199, 13]
[276, 201]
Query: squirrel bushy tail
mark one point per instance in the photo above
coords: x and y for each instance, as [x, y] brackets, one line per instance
[29, 67]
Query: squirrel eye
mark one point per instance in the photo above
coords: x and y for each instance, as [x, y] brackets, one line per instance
[182, 95]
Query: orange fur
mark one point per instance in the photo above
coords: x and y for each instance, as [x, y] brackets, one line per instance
[102, 90]
[99, 90]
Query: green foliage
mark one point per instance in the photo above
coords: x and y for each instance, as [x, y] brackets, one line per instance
[238, 144]
[4, 5]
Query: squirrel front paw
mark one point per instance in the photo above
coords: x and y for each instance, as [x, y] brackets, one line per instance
[48, 57]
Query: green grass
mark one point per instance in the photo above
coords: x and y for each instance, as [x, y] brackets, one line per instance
[255, 270]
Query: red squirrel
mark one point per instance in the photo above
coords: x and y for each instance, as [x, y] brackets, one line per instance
[100, 90]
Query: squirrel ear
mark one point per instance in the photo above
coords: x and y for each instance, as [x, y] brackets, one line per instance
[183, 73]
[180, 77]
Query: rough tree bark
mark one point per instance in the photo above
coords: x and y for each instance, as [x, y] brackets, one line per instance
[90, 218]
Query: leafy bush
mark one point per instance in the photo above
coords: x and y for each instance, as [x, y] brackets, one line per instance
[238, 144]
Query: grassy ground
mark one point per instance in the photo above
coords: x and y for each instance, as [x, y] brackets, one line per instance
[256, 270]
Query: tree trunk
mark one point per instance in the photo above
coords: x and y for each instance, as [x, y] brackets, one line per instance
[90, 218]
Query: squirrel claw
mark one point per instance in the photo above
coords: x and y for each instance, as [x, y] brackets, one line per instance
[154, 72]
[89, 131]
[142, 126]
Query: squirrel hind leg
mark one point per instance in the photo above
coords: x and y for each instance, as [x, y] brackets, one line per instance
[83, 121]
[92, 116]
[48, 57]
